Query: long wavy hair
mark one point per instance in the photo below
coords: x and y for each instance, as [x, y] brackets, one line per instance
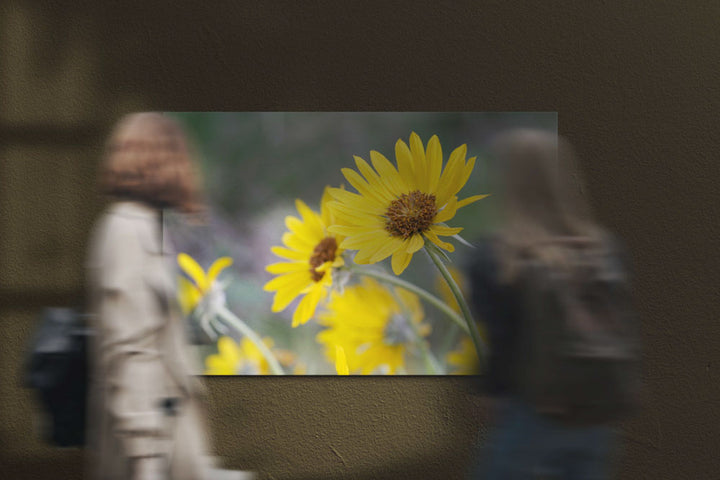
[542, 197]
[148, 158]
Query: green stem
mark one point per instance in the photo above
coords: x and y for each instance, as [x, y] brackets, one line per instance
[232, 319]
[474, 332]
[433, 300]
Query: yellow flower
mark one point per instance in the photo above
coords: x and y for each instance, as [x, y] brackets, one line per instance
[234, 359]
[465, 359]
[395, 210]
[372, 325]
[341, 364]
[191, 293]
[310, 253]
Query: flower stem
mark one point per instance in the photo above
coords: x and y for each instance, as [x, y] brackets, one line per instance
[232, 319]
[474, 332]
[433, 300]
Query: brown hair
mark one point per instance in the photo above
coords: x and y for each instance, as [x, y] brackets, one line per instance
[542, 197]
[148, 159]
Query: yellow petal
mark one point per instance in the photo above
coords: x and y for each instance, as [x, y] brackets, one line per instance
[341, 364]
[194, 271]
[419, 164]
[362, 257]
[285, 296]
[400, 261]
[305, 212]
[287, 280]
[391, 178]
[309, 232]
[228, 350]
[451, 175]
[215, 365]
[289, 254]
[360, 240]
[349, 230]
[287, 267]
[326, 266]
[466, 172]
[358, 202]
[306, 308]
[188, 295]
[339, 194]
[296, 242]
[445, 231]
[385, 248]
[325, 214]
[346, 214]
[373, 178]
[469, 200]
[405, 162]
[364, 188]
[447, 212]
[218, 266]
[311, 220]
[434, 160]
[444, 245]
[414, 244]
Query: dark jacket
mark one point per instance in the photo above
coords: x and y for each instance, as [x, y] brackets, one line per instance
[497, 304]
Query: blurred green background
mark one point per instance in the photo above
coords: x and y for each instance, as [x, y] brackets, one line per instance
[254, 166]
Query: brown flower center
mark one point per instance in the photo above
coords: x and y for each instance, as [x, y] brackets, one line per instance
[324, 251]
[410, 214]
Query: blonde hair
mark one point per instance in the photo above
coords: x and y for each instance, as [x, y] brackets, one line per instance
[148, 159]
[542, 198]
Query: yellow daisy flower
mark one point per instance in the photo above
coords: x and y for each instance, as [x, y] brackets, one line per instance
[190, 293]
[395, 210]
[234, 359]
[372, 325]
[310, 253]
[465, 359]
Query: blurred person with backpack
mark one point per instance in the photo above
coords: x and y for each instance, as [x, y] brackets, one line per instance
[552, 287]
[146, 408]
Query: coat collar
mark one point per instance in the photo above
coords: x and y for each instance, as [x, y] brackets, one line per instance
[152, 238]
[135, 209]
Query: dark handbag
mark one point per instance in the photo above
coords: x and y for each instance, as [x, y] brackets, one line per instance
[57, 369]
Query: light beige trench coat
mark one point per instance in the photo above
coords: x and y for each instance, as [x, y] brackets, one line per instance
[139, 355]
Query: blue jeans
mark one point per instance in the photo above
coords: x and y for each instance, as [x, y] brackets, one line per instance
[525, 446]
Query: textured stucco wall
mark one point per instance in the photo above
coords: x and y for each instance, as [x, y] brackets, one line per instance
[636, 88]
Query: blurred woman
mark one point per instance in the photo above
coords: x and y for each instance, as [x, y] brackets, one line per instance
[145, 415]
[540, 201]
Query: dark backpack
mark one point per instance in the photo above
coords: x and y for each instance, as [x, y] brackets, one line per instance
[57, 369]
[578, 344]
